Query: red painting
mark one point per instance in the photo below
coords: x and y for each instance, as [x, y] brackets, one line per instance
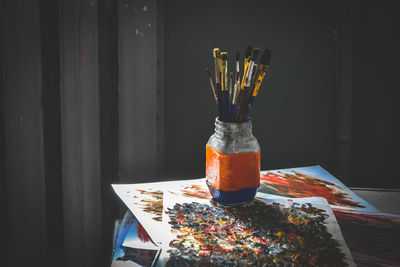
[298, 184]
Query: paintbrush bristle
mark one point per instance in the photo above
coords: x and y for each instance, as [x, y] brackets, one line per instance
[248, 51]
[224, 55]
[237, 56]
[216, 52]
[254, 53]
[266, 57]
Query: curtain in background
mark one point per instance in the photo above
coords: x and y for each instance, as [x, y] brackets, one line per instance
[80, 100]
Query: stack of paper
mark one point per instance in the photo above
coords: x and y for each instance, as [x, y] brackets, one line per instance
[292, 221]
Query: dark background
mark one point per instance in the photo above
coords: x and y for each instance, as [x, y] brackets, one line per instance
[100, 91]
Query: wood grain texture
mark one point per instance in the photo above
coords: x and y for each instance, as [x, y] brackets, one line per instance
[22, 84]
[138, 85]
[80, 132]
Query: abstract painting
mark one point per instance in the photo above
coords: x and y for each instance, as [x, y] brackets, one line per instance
[264, 232]
[311, 181]
[145, 200]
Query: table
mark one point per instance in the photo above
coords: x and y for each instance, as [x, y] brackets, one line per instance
[384, 200]
[381, 199]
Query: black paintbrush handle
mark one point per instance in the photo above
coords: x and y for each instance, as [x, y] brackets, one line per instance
[225, 106]
[219, 103]
[238, 106]
[244, 105]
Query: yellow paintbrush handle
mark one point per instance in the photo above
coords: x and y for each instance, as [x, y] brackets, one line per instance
[216, 54]
[224, 71]
[260, 76]
[246, 67]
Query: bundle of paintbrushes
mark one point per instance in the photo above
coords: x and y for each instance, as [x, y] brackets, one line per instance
[235, 98]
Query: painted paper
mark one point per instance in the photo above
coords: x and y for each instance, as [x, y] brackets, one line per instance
[145, 200]
[265, 231]
[311, 181]
[134, 246]
[296, 182]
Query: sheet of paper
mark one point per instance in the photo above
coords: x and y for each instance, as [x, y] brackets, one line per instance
[133, 245]
[145, 200]
[266, 231]
[137, 237]
[308, 182]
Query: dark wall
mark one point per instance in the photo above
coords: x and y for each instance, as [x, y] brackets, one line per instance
[376, 109]
[294, 117]
[3, 181]
[328, 98]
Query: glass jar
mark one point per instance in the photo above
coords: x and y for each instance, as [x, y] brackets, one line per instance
[233, 163]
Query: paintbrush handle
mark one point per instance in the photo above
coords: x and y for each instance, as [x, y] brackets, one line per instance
[219, 101]
[238, 106]
[225, 106]
[244, 104]
[252, 99]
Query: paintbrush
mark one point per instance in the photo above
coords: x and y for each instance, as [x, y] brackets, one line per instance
[247, 58]
[224, 85]
[239, 93]
[217, 59]
[245, 92]
[262, 70]
[230, 95]
[237, 79]
[236, 87]
[212, 85]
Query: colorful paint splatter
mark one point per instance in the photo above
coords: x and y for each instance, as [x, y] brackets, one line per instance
[196, 191]
[255, 234]
[298, 184]
[151, 202]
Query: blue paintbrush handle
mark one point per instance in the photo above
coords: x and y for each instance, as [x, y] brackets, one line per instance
[225, 105]
[252, 99]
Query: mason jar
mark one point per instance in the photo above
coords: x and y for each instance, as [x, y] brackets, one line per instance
[233, 163]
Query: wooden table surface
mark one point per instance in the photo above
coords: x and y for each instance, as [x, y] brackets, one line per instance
[385, 200]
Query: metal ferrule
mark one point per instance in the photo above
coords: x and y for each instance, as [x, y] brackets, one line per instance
[249, 74]
[224, 76]
[235, 93]
[253, 75]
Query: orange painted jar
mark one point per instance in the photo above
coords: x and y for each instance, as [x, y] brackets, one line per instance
[233, 163]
